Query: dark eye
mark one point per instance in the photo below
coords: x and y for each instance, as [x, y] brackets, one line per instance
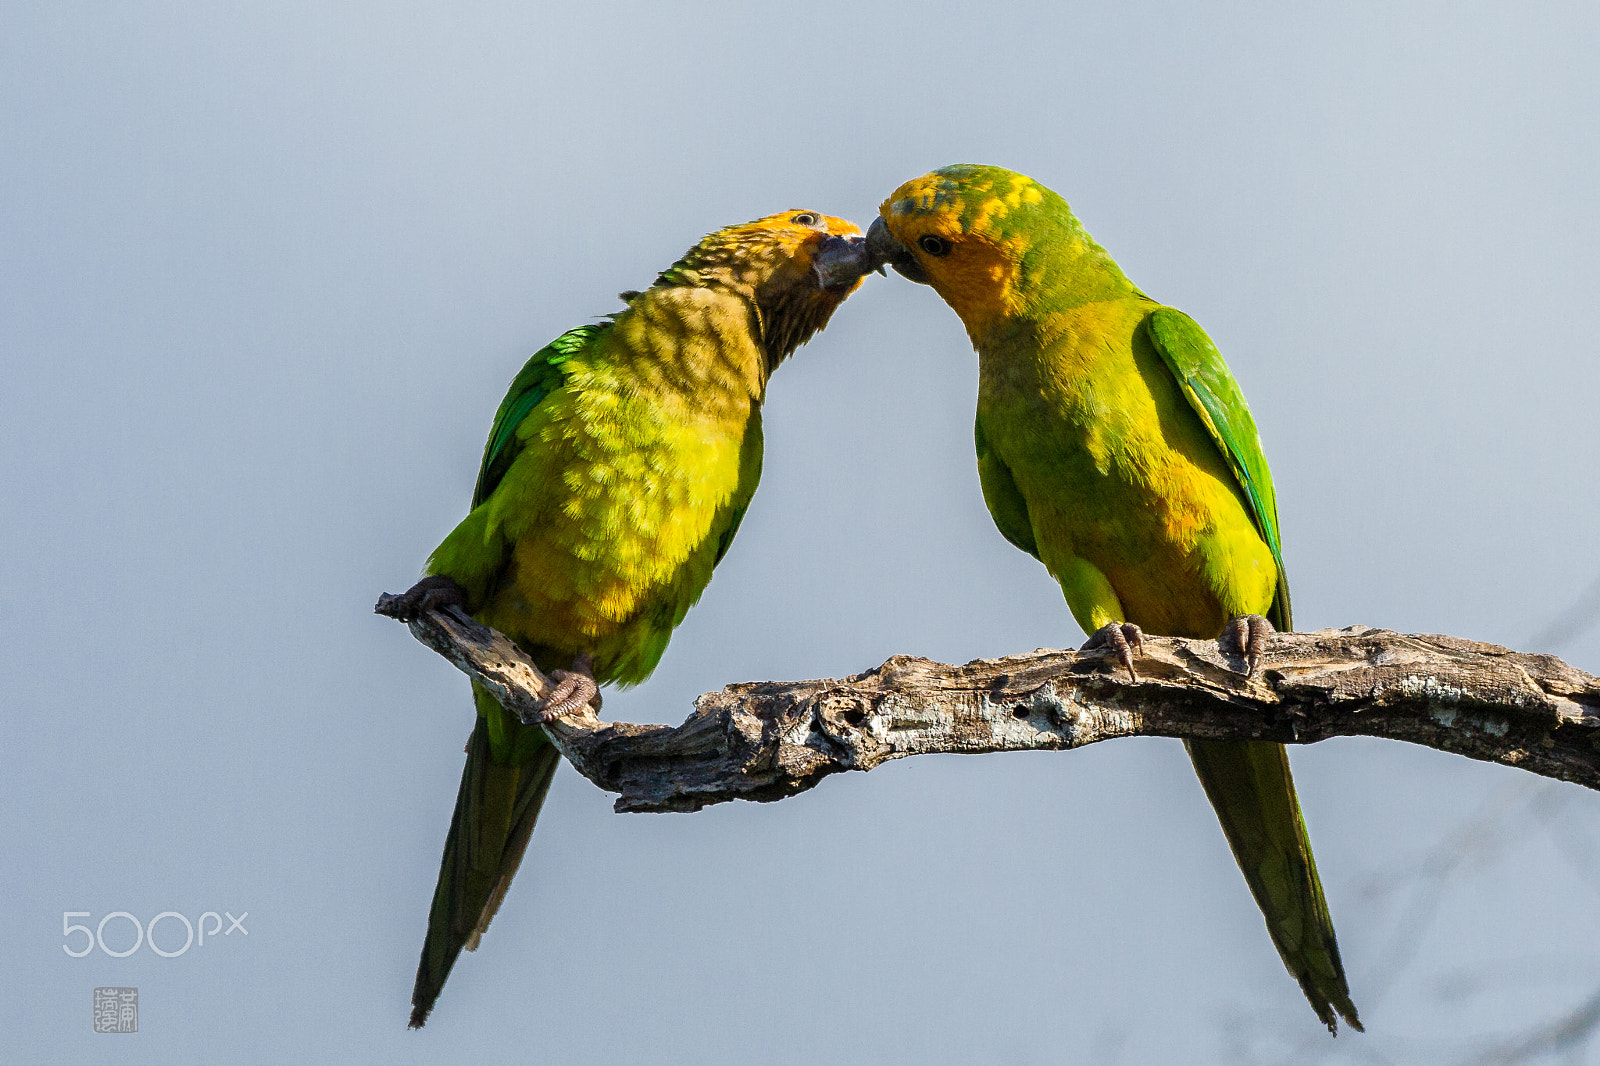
[933, 245]
[809, 218]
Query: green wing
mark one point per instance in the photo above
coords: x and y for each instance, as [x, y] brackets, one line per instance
[1209, 387]
[1005, 501]
[536, 380]
[1249, 784]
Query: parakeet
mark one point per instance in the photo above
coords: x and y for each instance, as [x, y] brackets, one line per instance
[1114, 446]
[615, 476]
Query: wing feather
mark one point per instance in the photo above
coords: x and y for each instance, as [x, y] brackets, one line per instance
[1208, 385]
[540, 376]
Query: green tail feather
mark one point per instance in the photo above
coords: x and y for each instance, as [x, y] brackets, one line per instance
[1252, 790]
[496, 808]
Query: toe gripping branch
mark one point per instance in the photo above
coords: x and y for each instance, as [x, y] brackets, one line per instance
[1123, 639]
[441, 598]
[432, 593]
[575, 689]
[1245, 636]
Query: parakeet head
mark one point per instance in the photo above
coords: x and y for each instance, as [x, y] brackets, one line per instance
[993, 243]
[795, 266]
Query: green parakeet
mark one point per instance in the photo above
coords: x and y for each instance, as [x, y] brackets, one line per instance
[1114, 446]
[615, 476]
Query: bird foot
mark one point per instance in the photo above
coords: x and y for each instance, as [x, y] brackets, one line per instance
[575, 689]
[1124, 638]
[1245, 636]
[429, 594]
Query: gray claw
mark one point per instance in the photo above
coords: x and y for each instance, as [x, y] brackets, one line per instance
[431, 593]
[575, 689]
[1124, 638]
[1246, 636]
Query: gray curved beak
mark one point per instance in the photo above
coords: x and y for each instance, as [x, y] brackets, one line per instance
[840, 262]
[883, 247]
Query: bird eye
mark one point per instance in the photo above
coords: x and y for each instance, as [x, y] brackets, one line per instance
[808, 218]
[933, 245]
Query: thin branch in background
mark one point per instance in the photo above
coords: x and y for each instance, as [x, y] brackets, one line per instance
[1472, 847]
[1484, 977]
[1421, 886]
[1573, 842]
[1568, 1035]
[1570, 624]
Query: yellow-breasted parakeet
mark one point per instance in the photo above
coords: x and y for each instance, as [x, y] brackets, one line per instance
[1114, 446]
[615, 476]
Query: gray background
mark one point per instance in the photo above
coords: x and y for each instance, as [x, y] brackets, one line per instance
[266, 270]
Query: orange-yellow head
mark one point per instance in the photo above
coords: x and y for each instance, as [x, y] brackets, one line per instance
[995, 244]
[795, 266]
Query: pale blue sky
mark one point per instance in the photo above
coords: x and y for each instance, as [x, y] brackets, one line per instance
[265, 271]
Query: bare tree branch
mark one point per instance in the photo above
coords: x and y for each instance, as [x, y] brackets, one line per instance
[768, 740]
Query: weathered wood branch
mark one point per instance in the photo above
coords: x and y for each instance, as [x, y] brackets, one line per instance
[767, 740]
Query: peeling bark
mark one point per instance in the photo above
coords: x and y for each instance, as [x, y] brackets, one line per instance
[766, 740]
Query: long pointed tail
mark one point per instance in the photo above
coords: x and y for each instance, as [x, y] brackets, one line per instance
[508, 771]
[1250, 786]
